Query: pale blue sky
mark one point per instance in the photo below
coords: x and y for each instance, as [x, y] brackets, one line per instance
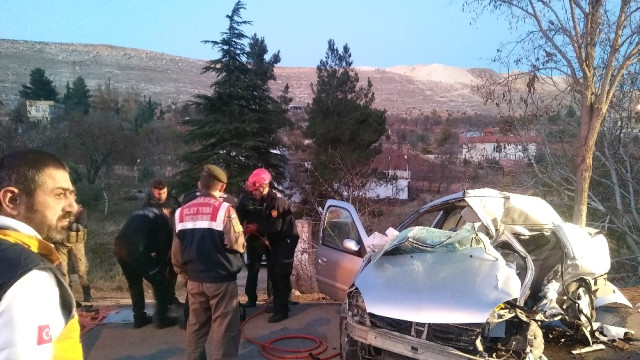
[379, 33]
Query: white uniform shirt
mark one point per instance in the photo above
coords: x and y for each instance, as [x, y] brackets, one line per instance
[28, 325]
[34, 323]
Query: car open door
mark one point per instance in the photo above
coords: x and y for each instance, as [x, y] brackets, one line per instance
[338, 260]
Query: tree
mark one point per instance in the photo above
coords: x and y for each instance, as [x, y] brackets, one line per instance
[77, 97]
[237, 125]
[98, 141]
[40, 87]
[592, 43]
[106, 99]
[615, 183]
[343, 126]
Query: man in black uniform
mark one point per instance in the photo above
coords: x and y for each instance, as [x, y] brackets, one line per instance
[142, 249]
[250, 211]
[276, 223]
[159, 197]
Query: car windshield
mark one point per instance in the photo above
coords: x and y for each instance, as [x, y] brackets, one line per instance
[426, 239]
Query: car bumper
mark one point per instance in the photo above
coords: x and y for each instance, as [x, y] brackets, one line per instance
[402, 344]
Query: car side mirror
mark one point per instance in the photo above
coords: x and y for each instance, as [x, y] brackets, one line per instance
[351, 245]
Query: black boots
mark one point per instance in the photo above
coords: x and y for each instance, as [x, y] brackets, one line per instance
[165, 321]
[86, 293]
[277, 317]
[140, 320]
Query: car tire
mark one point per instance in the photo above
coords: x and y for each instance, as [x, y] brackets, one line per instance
[348, 345]
[578, 306]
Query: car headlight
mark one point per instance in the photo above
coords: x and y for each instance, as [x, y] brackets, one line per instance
[356, 310]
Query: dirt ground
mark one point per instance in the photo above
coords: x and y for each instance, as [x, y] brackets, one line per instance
[632, 294]
[115, 298]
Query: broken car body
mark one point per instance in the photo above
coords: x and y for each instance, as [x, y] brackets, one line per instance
[471, 275]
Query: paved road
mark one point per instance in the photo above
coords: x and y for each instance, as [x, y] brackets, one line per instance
[121, 341]
[316, 320]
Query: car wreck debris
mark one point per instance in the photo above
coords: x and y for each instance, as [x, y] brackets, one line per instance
[478, 274]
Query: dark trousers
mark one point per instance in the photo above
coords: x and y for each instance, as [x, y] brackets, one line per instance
[280, 269]
[256, 248]
[136, 267]
[172, 280]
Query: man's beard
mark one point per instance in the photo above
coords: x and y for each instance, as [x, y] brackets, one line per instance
[56, 235]
[38, 222]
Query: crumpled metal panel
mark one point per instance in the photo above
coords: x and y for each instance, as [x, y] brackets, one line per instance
[497, 208]
[456, 285]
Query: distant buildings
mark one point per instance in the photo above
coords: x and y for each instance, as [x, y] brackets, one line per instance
[396, 166]
[491, 144]
[43, 111]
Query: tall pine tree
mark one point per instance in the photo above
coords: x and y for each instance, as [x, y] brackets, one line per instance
[77, 97]
[237, 127]
[40, 87]
[343, 126]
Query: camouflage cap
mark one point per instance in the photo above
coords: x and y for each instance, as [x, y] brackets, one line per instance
[217, 173]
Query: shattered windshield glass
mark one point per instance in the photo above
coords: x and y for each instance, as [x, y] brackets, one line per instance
[422, 239]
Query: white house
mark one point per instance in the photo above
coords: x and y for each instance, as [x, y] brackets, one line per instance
[396, 166]
[491, 144]
[43, 110]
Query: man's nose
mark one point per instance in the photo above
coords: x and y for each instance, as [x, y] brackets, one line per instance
[71, 204]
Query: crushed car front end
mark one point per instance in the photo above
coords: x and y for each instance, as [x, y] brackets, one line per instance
[448, 297]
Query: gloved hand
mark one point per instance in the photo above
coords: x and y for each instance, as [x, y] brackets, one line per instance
[249, 229]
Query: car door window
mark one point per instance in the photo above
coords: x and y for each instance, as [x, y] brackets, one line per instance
[338, 226]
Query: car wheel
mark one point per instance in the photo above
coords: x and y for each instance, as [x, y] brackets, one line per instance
[579, 306]
[348, 346]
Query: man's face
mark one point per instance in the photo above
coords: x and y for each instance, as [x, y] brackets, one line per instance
[52, 206]
[260, 191]
[160, 195]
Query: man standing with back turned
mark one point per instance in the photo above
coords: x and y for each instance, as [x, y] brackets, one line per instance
[37, 309]
[207, 249]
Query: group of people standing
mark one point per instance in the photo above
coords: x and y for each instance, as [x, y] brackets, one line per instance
[202, 240]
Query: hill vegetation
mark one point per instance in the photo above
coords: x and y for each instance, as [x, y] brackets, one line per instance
[173, 80]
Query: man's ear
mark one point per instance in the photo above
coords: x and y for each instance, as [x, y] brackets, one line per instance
[10, 201]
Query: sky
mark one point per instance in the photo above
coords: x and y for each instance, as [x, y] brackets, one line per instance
[379, 33]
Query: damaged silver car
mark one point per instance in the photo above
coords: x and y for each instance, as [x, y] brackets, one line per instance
[476, 274]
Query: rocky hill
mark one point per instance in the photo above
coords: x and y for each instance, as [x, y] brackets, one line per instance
[174, 79]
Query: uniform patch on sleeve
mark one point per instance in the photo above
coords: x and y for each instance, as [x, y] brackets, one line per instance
[44, 335]
[274, 213]
[237, 227]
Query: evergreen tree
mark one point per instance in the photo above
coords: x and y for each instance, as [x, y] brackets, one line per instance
[237, 125]
[40, 87]
[77, 97]
[145, 114]
[106, 99]
[342, 123]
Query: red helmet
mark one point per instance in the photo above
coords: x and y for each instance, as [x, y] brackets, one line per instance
[258, 177]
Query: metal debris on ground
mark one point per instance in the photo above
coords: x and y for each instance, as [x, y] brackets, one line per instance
[587, 349]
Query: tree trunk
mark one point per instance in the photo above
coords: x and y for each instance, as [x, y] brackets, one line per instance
[303, 278]
[590, 121]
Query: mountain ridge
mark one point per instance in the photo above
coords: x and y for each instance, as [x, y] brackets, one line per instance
[402, 89]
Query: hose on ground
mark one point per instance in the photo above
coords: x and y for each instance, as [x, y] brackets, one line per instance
[270, 351]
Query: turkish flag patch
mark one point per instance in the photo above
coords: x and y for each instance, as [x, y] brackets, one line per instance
[44, 334]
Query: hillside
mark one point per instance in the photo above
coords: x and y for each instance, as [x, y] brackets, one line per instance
[174, 79]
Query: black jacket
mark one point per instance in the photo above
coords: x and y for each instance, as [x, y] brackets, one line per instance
[271, 213]
[147, 231]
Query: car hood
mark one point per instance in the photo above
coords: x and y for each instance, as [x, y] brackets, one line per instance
[434, 276]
